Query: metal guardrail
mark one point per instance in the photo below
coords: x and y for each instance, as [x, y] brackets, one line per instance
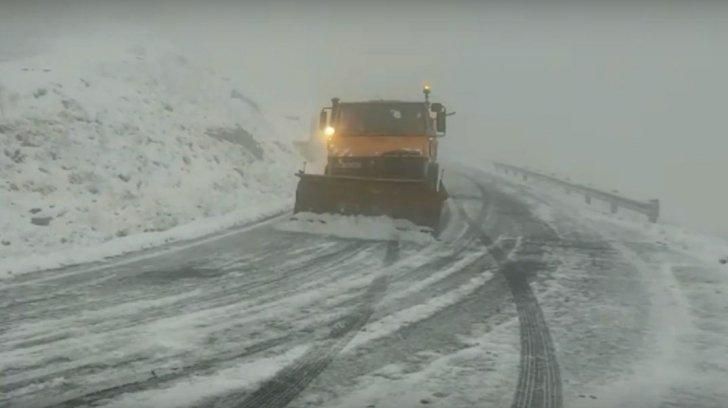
[650, 208]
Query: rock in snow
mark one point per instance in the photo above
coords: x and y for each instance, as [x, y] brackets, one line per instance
[42, 221]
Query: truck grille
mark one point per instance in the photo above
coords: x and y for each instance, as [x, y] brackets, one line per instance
[379, 167]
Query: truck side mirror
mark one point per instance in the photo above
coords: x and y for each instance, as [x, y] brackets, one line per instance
[441, 115]
[323, 120]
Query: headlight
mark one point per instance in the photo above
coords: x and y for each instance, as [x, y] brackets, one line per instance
[329, 131]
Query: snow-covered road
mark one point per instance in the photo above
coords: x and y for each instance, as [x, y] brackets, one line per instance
[521, 302]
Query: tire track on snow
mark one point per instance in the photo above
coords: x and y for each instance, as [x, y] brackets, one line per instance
[285, 386]
[539, 379]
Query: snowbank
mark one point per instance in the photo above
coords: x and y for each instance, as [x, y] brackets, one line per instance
[105, 138]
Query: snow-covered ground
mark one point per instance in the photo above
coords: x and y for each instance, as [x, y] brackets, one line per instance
[140, 147]
[634, 311]
[660, 327]
[708, 248]
[117, 138]
[357, 227]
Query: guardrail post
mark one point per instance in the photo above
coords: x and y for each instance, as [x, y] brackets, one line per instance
[654, 210]
[613, 206]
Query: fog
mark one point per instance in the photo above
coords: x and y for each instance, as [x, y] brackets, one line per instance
[630, 96]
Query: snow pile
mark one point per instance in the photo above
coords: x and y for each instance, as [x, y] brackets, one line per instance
[357, 227]
[103, 139]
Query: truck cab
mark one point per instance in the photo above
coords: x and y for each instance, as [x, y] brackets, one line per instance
[383, 139]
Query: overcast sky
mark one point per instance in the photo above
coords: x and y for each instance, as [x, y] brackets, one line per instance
[630, 96]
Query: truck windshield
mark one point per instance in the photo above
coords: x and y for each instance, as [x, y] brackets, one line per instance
[382, 119]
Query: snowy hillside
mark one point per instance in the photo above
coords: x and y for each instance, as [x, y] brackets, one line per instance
[102, 140]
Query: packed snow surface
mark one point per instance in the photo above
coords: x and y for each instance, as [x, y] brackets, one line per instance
[105, 138]
[357, 227]
[708, 248]
[630, 307]
[665, 319]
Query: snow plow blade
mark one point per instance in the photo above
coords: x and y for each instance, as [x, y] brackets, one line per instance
[413, 200]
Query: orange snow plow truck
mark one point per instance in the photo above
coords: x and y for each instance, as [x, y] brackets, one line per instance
[381, 160]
